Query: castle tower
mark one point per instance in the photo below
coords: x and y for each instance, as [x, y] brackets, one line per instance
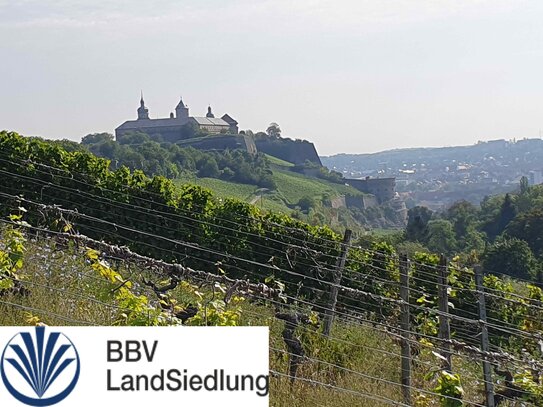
[143, 112]
[182, 111]
[209, 112]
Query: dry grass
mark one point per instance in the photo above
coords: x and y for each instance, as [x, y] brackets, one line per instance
[65, 290]
[62, 289]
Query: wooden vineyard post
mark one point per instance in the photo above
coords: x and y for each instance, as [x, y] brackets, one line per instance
[487, 368]
[444, 325]
[405, 329]
[337, 274]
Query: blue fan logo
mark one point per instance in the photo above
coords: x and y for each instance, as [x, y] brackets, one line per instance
[40, 370]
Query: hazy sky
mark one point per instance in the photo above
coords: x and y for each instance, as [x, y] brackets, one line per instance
[350, 75]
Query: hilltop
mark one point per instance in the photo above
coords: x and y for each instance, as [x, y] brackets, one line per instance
[286, 175]
[307, 191]
[437, 177]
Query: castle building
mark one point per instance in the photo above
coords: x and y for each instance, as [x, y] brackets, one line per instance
[383, 188]
[172, 129]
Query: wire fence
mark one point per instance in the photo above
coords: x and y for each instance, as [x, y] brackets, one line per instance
[262, 292]
[368, 297]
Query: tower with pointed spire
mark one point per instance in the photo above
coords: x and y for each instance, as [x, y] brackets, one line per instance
[143, 112]
[182, 111]
[210, 113]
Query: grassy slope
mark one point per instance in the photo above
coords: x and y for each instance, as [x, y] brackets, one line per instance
[277, 161]
[291, 187]
[223, 189]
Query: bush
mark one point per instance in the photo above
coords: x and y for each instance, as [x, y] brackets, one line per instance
[512, 257]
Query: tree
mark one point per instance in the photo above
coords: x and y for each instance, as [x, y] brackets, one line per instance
[411, 248]
[524, 186]
[182, 157]
[306, 202]
[473, 241]
[227, 173]
[462, 214]
[267, 181]
[532, 198]
[133, 137]
[529, 227]
[512, 257]
[274, 130]
[155, 158]
[490, 207]
[260, 135]
[132, 159]
[494, 226]
[96, 138]
[68, 145]
[417, 222]
[441, 237]
[208, 168]
[190, 130]
[507, 214]
[109, 149]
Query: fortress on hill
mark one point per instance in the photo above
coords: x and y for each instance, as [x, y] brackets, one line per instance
[212, 133]
[172, 129]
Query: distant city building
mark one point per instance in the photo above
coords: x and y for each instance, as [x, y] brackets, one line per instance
[172, 128]
[535, 177]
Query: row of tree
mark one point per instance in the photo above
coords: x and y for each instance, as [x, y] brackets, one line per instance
[140, 151]
[504, 231]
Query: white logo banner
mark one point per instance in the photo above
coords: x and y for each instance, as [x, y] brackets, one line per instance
[135, 366]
